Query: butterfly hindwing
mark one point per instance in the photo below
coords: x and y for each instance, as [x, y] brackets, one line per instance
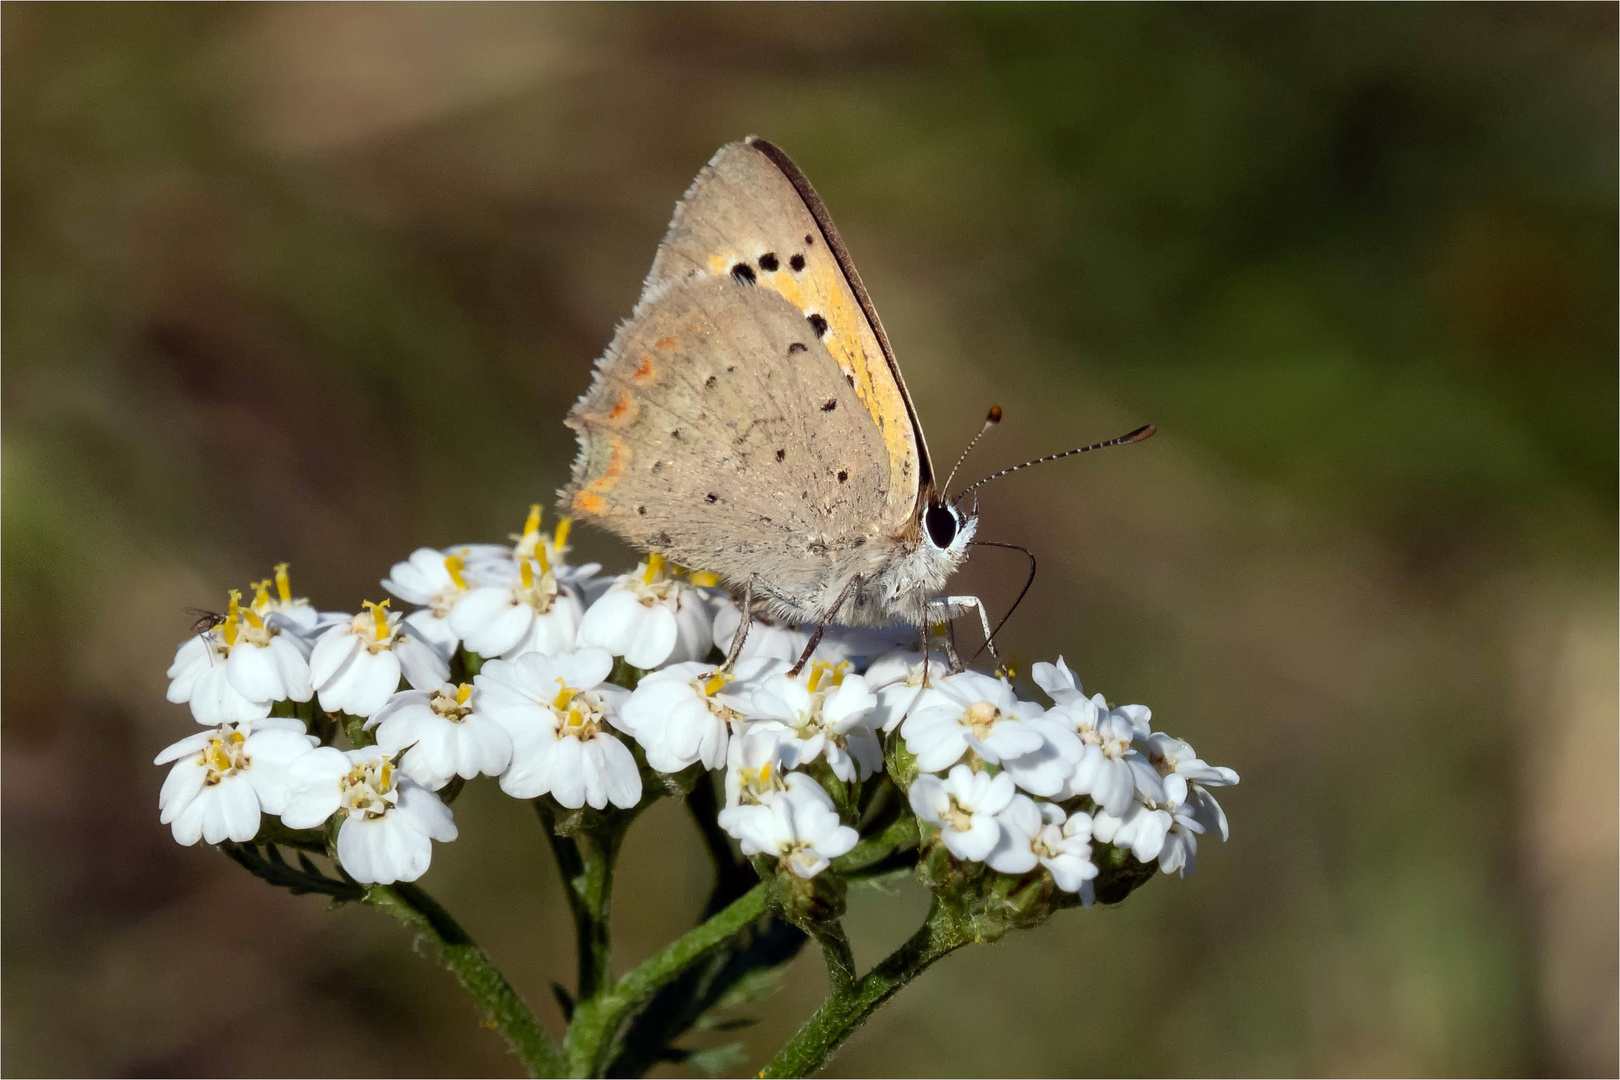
[750, 217]
[722, 432]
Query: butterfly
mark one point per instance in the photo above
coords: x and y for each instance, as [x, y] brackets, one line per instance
[750, 418]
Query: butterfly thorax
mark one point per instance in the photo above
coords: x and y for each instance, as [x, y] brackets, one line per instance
[886, 580]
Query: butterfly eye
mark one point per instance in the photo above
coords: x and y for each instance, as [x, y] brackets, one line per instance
[941, 525]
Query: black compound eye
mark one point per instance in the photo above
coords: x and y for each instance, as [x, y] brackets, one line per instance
[941, 525]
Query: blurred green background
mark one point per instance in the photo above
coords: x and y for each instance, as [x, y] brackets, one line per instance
[318, 282]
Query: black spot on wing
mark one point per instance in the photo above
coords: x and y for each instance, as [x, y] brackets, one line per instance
[676, 434]
[642, 510]
[830, 405]
[711, 497]
[809, 240]
[781, 455]
[817, 323]
[797, 346]
[767, 261]
[710, 381]
[849, 377]
[797, 262]
[842, 476]
[742, 274]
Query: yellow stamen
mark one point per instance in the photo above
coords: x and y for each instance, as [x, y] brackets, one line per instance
[379, 617]
[526, 572]
[705, 577]
[532, 525]
[838, 672]
[655, 566]
[540, 557]
[765, 773]
[575, 718]
[463, 692]
[560, 537]
[261, 593]
[452, 566]
[386, 779]
[253, 618]
[818, 668]
[233, 616]
[237, 736]
[283, 583]
[565, 694]
[715, 683]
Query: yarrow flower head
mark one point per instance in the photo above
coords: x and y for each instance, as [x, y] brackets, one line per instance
[802, 831]
[356, 665]
[965, 806]
[226, 777]
[532, 613]
[650, 617]
[826, 714]
[559, 712]
[388, 820]
[682, 714]
[442, 735]
[981, 714]
[200, 674]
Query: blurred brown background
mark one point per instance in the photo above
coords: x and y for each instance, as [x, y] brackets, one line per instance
[318, 283]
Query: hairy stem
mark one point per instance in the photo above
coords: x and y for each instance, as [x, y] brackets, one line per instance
[597, 1020]
[502, 1007]
[586, 860]
[847, 1009]
[835, 949]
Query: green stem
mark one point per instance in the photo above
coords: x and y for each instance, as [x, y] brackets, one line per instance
[586, 860]
[845, 1011]
[467, 962]
[597, 1020]
[835, 949]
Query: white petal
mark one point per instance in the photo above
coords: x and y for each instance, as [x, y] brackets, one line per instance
[313, 794]
[656, 638]
[332, 651]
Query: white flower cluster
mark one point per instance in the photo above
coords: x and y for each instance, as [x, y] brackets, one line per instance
[1029, 786]
[510, 667]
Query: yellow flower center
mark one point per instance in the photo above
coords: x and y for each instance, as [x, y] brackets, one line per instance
[452, 705]
[580, 711]
[233, 618]
[453, 565]
[283, 583]
[223, 755]
[821, 668]
[379, 632]
[981, 716]
[368, 789]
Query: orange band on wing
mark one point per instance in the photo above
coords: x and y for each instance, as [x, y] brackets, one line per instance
[588, 500]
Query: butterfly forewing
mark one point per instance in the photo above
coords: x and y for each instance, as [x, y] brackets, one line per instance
[745, 220]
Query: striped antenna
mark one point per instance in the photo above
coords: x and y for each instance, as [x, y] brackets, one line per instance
[990, 421]
[1144, 432]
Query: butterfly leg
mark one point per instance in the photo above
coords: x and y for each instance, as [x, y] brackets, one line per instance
[949, 607]
[851, 590]
[741, 635]
[804, 657]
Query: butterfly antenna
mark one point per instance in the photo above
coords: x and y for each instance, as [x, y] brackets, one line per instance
[990, 421]
[1144, 432]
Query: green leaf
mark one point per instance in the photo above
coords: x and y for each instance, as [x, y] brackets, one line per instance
[306, 877]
